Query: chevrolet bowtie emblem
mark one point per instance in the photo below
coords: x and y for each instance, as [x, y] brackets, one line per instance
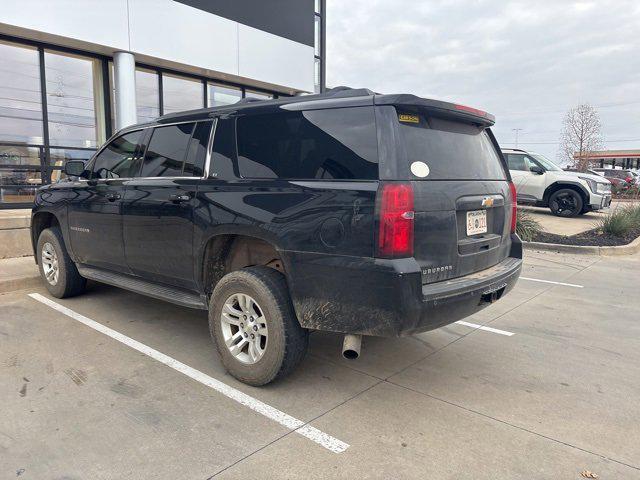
[487, 202]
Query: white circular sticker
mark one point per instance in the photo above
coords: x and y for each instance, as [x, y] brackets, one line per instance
[420, 169]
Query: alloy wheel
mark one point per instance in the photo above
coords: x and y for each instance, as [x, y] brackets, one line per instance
[49, 259]
[244, 328]
[566, 203]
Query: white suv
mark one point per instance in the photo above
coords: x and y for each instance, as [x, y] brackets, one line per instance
[542, 183]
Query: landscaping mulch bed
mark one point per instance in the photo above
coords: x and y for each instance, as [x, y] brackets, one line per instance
[594, 238]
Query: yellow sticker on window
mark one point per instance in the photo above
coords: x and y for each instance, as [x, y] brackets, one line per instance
[404, 117]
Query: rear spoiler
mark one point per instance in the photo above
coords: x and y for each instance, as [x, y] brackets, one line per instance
[444, 109]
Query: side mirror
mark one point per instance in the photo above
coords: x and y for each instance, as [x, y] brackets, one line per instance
[74, 168]
[537, 170]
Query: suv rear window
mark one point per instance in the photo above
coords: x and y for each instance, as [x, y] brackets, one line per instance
[452, 150]
[315, 144]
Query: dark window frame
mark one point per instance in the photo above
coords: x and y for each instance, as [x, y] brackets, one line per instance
[321, 15]
[203, 80]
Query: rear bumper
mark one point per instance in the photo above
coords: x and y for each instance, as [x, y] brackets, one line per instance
[386, 297]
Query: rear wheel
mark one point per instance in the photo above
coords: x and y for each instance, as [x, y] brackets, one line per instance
[565, 203]
[58, 271]
[254, 326]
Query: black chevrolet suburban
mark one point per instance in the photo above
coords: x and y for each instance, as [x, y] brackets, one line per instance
[348, 211]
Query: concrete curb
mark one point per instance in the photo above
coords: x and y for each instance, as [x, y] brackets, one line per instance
[629, 249]
[22, 283]
[15, 234]
[18, 274]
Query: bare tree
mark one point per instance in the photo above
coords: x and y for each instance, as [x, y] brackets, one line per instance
[580, 135]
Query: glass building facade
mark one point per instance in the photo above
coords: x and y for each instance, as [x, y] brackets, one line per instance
[56, 104]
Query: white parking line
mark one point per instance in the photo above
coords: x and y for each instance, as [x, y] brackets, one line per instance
[312, 433]
[486, 329]
[549, 281]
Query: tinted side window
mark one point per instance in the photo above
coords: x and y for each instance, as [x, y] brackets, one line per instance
[316, 144]
[118, 159]
[166, 151]
[516, 162]
[194, 163]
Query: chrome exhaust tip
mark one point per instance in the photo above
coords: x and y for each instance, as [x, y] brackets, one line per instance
[351, 346]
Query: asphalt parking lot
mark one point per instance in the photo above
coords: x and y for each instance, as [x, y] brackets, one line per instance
[550, 389]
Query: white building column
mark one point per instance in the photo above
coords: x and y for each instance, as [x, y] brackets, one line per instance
[124, 73]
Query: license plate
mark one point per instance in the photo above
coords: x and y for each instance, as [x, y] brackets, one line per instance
[476, 222]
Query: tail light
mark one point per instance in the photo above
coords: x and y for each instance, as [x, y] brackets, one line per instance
[395, 237]
[514, 207]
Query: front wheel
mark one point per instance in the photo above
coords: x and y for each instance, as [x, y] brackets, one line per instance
[58, 271]
[254, 326]
[565, 203]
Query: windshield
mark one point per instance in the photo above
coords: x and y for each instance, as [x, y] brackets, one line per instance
[545, 162]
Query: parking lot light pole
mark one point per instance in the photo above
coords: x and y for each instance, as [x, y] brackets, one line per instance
[516, 130]
[124, 73]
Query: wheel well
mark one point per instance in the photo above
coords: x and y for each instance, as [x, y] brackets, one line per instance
[551, 189]
[39, 222]
[227, 253]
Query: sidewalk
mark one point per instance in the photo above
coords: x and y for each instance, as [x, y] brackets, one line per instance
[18, 274]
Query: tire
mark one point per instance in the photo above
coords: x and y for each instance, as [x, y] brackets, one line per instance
[52, 254]
[285, 343]
[586, 209]
[565, 202]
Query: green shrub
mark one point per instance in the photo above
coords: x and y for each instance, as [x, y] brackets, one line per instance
[621, 222]
[526, 226]
[634, 214]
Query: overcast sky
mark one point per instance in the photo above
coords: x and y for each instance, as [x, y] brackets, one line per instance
[525, 62]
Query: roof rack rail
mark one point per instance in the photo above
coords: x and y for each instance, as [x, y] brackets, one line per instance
[343, 91]
[248, 100]
[339, 88]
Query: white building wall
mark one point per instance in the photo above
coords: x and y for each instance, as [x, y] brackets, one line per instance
[167, 31]
[94, 21]
[179, 33]
[279, 60]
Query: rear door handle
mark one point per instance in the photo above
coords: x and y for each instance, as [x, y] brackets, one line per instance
[112, 197]
[177, 198]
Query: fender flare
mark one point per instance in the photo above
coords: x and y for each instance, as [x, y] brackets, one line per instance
[60, 218]
[560, 183]
[229, 229]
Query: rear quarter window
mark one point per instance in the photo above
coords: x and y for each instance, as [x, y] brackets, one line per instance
[337, 144]
[451, 150]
